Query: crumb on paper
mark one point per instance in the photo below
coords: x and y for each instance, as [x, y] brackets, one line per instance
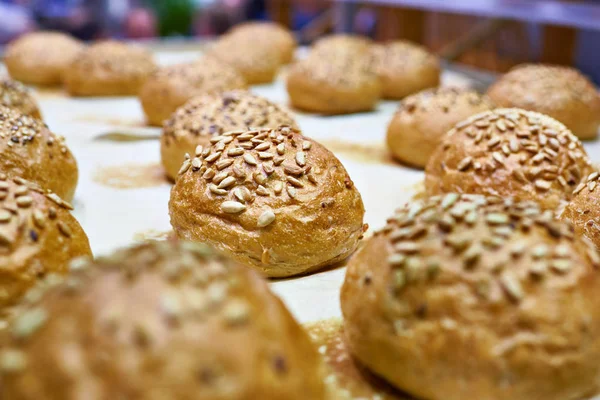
[131, 176]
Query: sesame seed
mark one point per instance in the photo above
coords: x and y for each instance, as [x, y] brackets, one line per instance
[496, 218]
[227, 182]
[64, 229]
[512, 287]
[561, 266]
[539, 251]
[196, 164]
[306, 145]
[222, 164]
[266, 218]
[592, 176]
[5, 216]
[209, 174]
[215, 190]
[542, 184]
[12, 361]
[278, 187]
[300, 159]
[464, 164]
[407, 247]
[236, 151]
[294, 182]
[281, 149]
[220, 176]
[263, 146]
[396, 260]
[198, 151]
[236, 313]
[449, 200]
[213, 157]
[291, 191]
[262, 191]
[591, 186]
[24, 201]
[232, 207]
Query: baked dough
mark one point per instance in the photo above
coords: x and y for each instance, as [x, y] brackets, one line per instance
[509, 153]
[109, 68]
[466, 297]
[560, 92]
[205, 117]
[274, 200]
[38, 237]
[172, 86]
[269, 34]
[41, 58]
[159, 321]
[584, 209]
[29, 150]
[14, 94]
[423, 119]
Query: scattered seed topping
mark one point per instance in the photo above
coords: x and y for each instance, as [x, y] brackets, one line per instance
[266, 218]
[540, 153]
[476, 231]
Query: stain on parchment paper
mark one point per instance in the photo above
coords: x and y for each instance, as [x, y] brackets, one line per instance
[372, 153]
[49, 92]
[131, 176]
[345, 378]
[122, 122]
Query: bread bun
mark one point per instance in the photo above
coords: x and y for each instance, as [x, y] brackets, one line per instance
[15, 95]
[466, 297]
[584, 209]
[269, 34]
[30, 151]
[38, 236]
[509, 153]
[272, 199]
[170, 87]
[41, 58]
[342, 83]
[257, 63]
[405, 68]
[205, 117]
[423, 119]
[560, 92]
[109, 69]
[159, 321]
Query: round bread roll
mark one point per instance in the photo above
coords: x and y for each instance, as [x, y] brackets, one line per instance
[41, 58]
[509, 153]
[560, 92]
[15, 95]
[170, 87]
[205, 117]
[38, 236]
[269, 34]
[257, 63]
[423, 119]
[159, 321]
[271, 199]
[467, 297]
[342, 84]
[30, 151]
[405, 68]
[109, 69]
[334, 44]
[584, 209]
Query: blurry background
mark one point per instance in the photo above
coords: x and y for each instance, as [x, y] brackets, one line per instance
[491, 35]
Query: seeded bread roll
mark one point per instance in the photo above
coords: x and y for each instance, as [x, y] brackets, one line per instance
[463, 297]
[334, 44]
[159, 321]
[30, 151]
[405, 68]
[423, 119]
[38, 236]
[269, 34]
[509, 153]
[584, 209]
[341, 84]
[271, 199]
[172, 86]
[257, 63]
[205, 117]
[560, 92]
[41, 58]
[15, 95]
[109, 69]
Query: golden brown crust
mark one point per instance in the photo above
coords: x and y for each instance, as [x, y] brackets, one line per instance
[342, 43]
[257, 63]
[509, 153]
[405, 68]
[38, 236]
[172, 86]
[15, 95]
[476, 290]
[41, 58]
[159, 320]
[583, 211]
[560, 92]
[269, 34]
[423, 119]
[272, 199]
[337, 84]
[202, 118]
[30, 151]
[109, 69]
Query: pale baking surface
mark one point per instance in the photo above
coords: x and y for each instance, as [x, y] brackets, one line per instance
[115, 217]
